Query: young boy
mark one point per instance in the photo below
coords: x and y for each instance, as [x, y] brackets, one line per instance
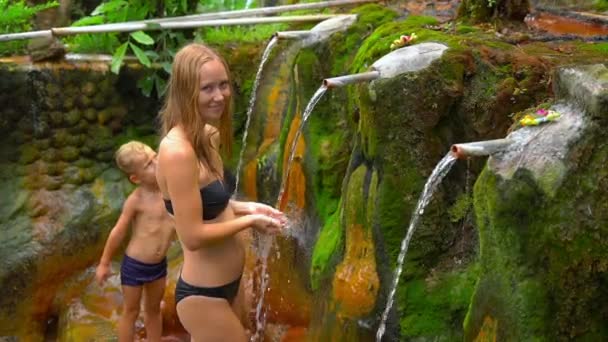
[144, 266]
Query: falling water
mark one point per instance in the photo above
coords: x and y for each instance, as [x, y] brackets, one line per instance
[254, 90]
[440, 171]
[35, 86]
[294, 143]
[265, 243]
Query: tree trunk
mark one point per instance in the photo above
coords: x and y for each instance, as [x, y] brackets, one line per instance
[491, 10]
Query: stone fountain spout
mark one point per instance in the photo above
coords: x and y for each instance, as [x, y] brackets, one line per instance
[341, 81]
[479, 148]
[292, 35]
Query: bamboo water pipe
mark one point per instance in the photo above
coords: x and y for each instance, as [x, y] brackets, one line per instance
[151, 24]
[131, 27]
[479, 148]
[341, 81]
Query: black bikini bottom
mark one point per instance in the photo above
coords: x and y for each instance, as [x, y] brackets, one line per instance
[228, 291]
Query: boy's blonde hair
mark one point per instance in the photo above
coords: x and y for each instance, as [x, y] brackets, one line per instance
[126, 154]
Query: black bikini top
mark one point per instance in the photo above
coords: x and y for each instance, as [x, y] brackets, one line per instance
[215, 196]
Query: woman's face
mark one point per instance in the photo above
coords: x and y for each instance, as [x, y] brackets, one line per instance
[214, 90]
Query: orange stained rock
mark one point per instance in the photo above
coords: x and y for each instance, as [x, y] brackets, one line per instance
[295, 334]
[356, 283]
[171, 323]
[559, 25]
[277, 100]
[488, 330]
[249, 183]
[295, 186]
[287, 299]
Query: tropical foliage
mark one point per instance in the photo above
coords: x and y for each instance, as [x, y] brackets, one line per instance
[16, 17]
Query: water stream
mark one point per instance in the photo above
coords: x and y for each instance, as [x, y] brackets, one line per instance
[252, 98]
[264, 244]
[294, 143]
[440, 171]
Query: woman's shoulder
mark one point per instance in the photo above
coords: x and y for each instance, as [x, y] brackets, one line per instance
[174, 147]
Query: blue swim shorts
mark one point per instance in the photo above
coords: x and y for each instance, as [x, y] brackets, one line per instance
[137, 273]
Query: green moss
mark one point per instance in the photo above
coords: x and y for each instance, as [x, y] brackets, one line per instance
[343, 46]
[327, 247]
[537, 250]
[29, 154]
[463, 29]
[596, 47]
[435, 307]
[600, 5]
[367, 122]
[378, 43]
[461, 207]
[397, 193]
[372, 197]
[326, 136]
[241, 34]
[354, 206]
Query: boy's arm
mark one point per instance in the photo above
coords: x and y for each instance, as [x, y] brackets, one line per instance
[119, 231]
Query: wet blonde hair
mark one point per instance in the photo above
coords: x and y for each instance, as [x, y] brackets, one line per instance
[181, 104]
[127, 155]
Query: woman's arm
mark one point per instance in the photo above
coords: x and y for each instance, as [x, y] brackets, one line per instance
[179, 166]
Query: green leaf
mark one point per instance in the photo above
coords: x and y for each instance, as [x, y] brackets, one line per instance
[142, 38]
[161, 86]
[167, 67]
[141, 56]
[108, 7]
[146, 84]
[152, 54]
[117, 58]
[96, 20]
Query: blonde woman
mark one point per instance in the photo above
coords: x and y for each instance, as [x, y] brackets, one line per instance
[196, 131]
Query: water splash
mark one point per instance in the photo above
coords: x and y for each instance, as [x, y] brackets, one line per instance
[254, 90]
[440, 171]
[294, 143]
[265, 243]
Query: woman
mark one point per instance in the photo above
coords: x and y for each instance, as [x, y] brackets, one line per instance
[196, 123]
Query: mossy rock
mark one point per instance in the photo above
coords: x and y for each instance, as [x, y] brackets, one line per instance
[28, 154]
[327, 251]
[544, 251]
[60, 138]
[69, 153]
[72, 117]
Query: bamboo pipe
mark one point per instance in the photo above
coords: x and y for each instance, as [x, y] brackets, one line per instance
[263, 11]
[479, 148]
[292, 34]
[341, 81]
[131, 27]
[116, 27]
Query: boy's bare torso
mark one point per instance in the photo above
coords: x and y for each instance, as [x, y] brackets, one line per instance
[152, 228]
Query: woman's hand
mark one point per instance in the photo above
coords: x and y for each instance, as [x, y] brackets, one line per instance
[266, 224]
[261, 208]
